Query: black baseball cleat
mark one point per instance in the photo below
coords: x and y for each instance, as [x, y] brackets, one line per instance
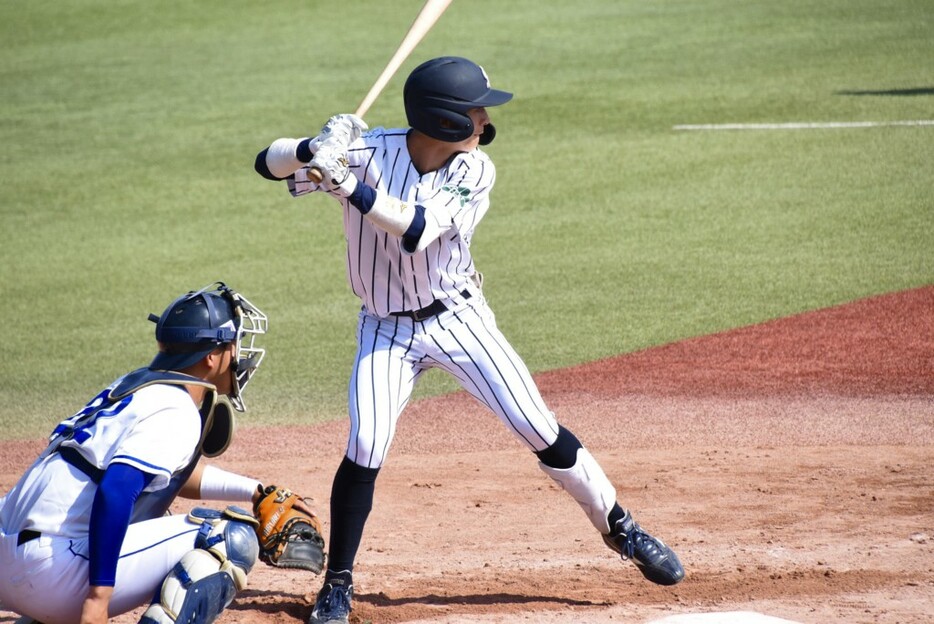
[333, 603]
[655, 560]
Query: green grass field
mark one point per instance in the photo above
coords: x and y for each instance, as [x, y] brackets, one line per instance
[129, 130]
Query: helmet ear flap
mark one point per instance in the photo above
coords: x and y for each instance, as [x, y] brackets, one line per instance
[489, 133]
[442, 123]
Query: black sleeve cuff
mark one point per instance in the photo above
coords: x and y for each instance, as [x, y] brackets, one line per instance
[412, 235]
[262, 168]
[303, 151]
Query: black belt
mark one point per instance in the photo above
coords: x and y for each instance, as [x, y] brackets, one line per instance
[27, 535]
[434, 308]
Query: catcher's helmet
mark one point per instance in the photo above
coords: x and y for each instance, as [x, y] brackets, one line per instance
[438, 93]
[197, 323]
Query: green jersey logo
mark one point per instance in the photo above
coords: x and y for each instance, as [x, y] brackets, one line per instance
[460, 192]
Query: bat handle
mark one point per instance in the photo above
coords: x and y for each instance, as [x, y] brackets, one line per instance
[315, 175]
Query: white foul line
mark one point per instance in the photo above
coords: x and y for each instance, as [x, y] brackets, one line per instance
[803, 125]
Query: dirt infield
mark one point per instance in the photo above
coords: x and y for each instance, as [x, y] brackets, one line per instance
[788, 463]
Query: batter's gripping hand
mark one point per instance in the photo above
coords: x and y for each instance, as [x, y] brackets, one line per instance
[344, 129]
[331, 161]
[289, 532]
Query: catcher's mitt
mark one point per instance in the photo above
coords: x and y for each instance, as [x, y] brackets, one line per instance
[289, 532]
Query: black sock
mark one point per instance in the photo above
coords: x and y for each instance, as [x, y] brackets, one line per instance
[342, 577]
[351, 502]
[616, 514]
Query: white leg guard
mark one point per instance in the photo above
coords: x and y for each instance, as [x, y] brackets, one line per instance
[205, 581]
[586, 482]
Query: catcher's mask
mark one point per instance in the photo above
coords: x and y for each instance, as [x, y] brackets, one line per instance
[197, 323]
[438, 93]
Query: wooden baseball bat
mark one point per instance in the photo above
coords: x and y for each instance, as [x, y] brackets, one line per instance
[426, 18]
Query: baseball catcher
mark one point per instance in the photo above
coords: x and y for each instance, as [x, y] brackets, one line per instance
[99, 494]
[289, 532]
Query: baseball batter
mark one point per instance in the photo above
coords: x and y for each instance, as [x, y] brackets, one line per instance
[412, 199]
[84, 535]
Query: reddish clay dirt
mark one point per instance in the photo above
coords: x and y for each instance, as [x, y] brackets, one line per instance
[788, 463]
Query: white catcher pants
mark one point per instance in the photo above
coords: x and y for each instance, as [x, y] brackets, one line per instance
[47, 578]
[393, 352]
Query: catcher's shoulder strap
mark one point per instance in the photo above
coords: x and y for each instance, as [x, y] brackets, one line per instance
[76, 459]
[142, 377]
[217, 420]
[156, 504]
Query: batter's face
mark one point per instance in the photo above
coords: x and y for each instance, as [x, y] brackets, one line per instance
[480, 119]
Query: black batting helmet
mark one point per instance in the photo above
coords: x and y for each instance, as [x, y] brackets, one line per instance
[438, 93]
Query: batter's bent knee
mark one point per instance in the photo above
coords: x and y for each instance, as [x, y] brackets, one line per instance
[205, 581]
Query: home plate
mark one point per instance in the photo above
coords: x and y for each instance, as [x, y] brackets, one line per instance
[731, 617]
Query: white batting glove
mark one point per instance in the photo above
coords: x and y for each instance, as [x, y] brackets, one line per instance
[331, 161]
[314, 144]
[344, 128]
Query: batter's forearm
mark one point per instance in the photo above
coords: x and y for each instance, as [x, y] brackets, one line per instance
[283, 158]
[414, 224]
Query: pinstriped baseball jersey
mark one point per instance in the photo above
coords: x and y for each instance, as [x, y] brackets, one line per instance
[394, 351]
[385, 277]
